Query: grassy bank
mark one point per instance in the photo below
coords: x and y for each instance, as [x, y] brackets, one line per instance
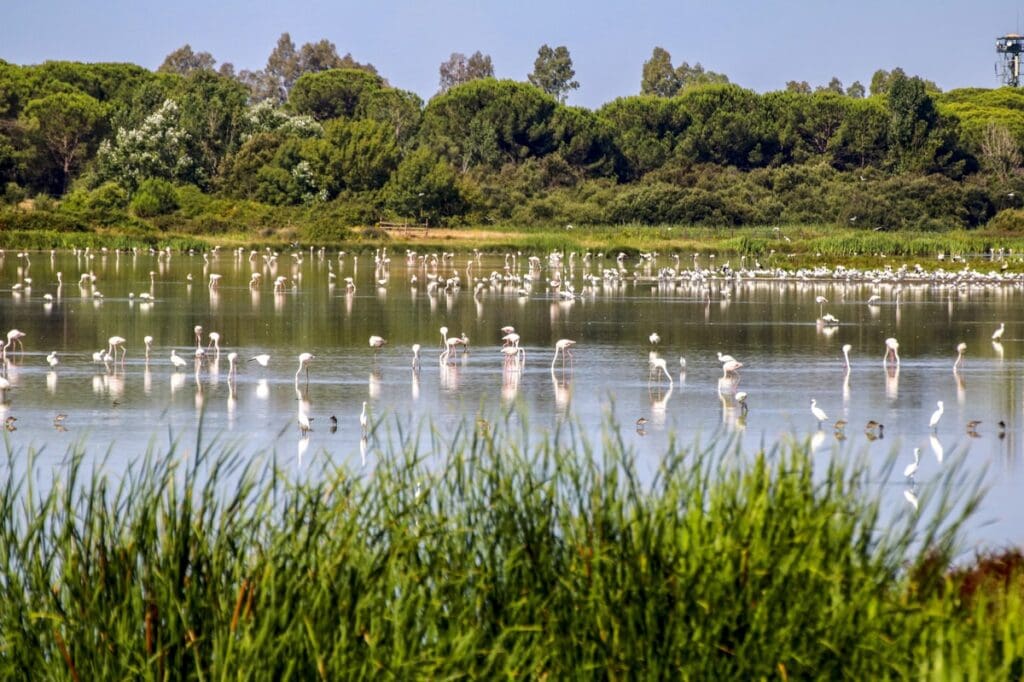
[785, 247]
[490, 554]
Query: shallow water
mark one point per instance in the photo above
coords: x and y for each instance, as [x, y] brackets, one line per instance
[770, 326]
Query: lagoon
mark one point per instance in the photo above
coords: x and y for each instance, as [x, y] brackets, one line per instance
[769, 323]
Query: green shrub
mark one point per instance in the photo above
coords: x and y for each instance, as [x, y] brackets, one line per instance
[154, 197]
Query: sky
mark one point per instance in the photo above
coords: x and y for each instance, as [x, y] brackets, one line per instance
[759, 45]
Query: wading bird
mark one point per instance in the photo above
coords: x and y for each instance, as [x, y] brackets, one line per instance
[564, 347]
[304, 359]
[364, 421]
[115, 342]
[818, 413]
[846, 354]
[177, 360]
[998, 334]
[961, 348]
[14, 337]
[911, 469]
[892, 348]
[262, 359]
[656, 365]
[376, 343]
[304, 423]
[933, 423]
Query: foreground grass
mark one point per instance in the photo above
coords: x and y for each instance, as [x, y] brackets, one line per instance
[493, 553]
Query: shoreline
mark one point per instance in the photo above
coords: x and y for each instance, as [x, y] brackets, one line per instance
[780, 247]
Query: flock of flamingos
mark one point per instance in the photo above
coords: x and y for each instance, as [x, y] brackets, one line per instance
[511, 348]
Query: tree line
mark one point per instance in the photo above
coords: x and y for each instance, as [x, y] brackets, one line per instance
[316, 129]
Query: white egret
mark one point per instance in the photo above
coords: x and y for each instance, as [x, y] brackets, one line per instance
[933, 423]
[998, 334]
[818, 413]
[911, 469]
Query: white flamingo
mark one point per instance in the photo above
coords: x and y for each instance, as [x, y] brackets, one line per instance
[563, 346]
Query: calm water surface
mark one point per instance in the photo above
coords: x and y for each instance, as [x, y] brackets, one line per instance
[770, 326]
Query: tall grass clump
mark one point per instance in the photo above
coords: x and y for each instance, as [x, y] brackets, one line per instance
[490, 552]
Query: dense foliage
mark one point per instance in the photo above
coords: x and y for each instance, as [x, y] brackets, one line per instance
[494, 553]
[321, 131]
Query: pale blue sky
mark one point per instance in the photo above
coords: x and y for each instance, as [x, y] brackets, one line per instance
[759, 45]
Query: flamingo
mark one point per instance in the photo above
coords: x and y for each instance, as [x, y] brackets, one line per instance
[444, 337]
[933, 423]
[660, 364]
[14, 337]
[415, 356]
[304, 359]
[892, 348]
[563, 346]
[846, 354]
[214, 341]
[818, 413]
[232, 360]
[997, 335]
[364, 421]
[741, 398]
[148, 340]
[376, 342]
[961, 348]
[450, 344]
[821, 301]
[116, 342]
[731, 367]
[725, 358]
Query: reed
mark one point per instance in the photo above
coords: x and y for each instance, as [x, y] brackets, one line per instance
[490, 552]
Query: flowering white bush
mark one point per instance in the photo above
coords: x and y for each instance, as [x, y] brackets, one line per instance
[158, 148]
[264, 117]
